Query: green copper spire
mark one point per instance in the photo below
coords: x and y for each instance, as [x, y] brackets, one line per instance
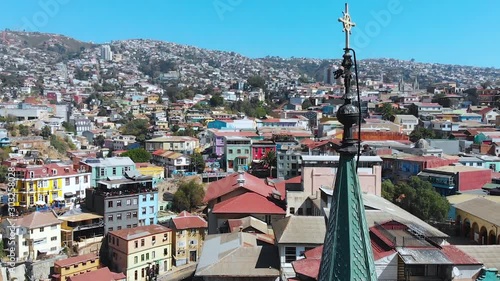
[347, 253]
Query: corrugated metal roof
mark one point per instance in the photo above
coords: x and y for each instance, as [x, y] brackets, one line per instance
[489, 255]
[237, 255]
[300, 229]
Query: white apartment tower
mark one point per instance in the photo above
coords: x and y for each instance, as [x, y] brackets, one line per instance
[106, 53]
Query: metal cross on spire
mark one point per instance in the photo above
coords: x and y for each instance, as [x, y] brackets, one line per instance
[348, 25]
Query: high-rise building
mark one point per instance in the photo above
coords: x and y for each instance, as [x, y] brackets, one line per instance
[106, 53]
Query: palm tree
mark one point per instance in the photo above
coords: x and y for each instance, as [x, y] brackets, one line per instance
[270, 161]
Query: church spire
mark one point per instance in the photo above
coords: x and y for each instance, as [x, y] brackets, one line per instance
[347, 253]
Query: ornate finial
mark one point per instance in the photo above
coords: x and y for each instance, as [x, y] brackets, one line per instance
[348, 25]
[348, 114]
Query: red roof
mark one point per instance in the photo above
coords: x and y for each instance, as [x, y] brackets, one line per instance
[185, 220]
[315, 253]
[248, 203]
[75, 260]
[307, 267]
[46, 170]
[456, 256]
[230, 184]
[485, 110]
[102, 274]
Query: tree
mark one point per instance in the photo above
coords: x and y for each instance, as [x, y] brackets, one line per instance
[417, 197]
[138, 155]
[306, 104]
[102, 112]
[70, 128]
[197, 162]
[24, 130]
[387, 111]
[421, 133]
[99, 140]
[256, 82]
[189, 195]
[138, 128]
[216, 100]
[270, 161]
[46, 132]
[175, 128]
[3, 175]
[260, 112]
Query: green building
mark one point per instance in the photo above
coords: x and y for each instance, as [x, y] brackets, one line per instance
[237, 153]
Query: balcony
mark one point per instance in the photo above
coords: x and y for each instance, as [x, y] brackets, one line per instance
[89, 226]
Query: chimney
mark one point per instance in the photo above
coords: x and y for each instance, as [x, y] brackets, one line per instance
[241, 178]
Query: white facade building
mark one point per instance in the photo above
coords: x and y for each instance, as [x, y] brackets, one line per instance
[34, 234]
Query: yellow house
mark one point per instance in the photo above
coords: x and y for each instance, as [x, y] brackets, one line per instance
[44, 184]
[190, 231]
[139, 250]
[64, 269]
[478, 220]
[156, 172]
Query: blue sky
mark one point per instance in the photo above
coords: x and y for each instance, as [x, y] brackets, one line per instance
[442, 31]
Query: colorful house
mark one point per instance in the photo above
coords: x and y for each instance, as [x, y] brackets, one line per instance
[238, 153]
[64, 269]
[189, 234]
[261, 148]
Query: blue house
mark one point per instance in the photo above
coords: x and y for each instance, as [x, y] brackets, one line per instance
[217, 124]
[470, 117]
[108, 168]
[148, 208]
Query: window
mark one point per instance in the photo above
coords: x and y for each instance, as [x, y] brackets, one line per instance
[292, 211]
[144, 198]
[301, 212]
[147, 256]
[128, 202]
[142, 257]
[238, 151]
[134, 225]
[129, 226]
[165, 237]
[136, 244]
[41, 229]
[142, 243]
[136, 259]
[119, 227]
[114, 171]
[142, 272]
[153, 239]
[101, 172]
[143, 210]
[135, 275]
[119, 217]
[53, 248]
[151, 197]
[153, 254]
[134, 201]
[151, 209]
[151, 221]
[290, 254]
[165, 252]
[118, 203]
[110, 204]
[66, 181]
[110, 218]
[85, 179]
[247, 151]
[129, 215]
[110, 229]
[53, 238]
[134, 214]
[77, 180]
[230, 151]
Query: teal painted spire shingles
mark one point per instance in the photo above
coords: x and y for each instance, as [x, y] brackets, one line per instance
[347, 253]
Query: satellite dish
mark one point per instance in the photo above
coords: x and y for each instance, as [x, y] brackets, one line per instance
[455, 272]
